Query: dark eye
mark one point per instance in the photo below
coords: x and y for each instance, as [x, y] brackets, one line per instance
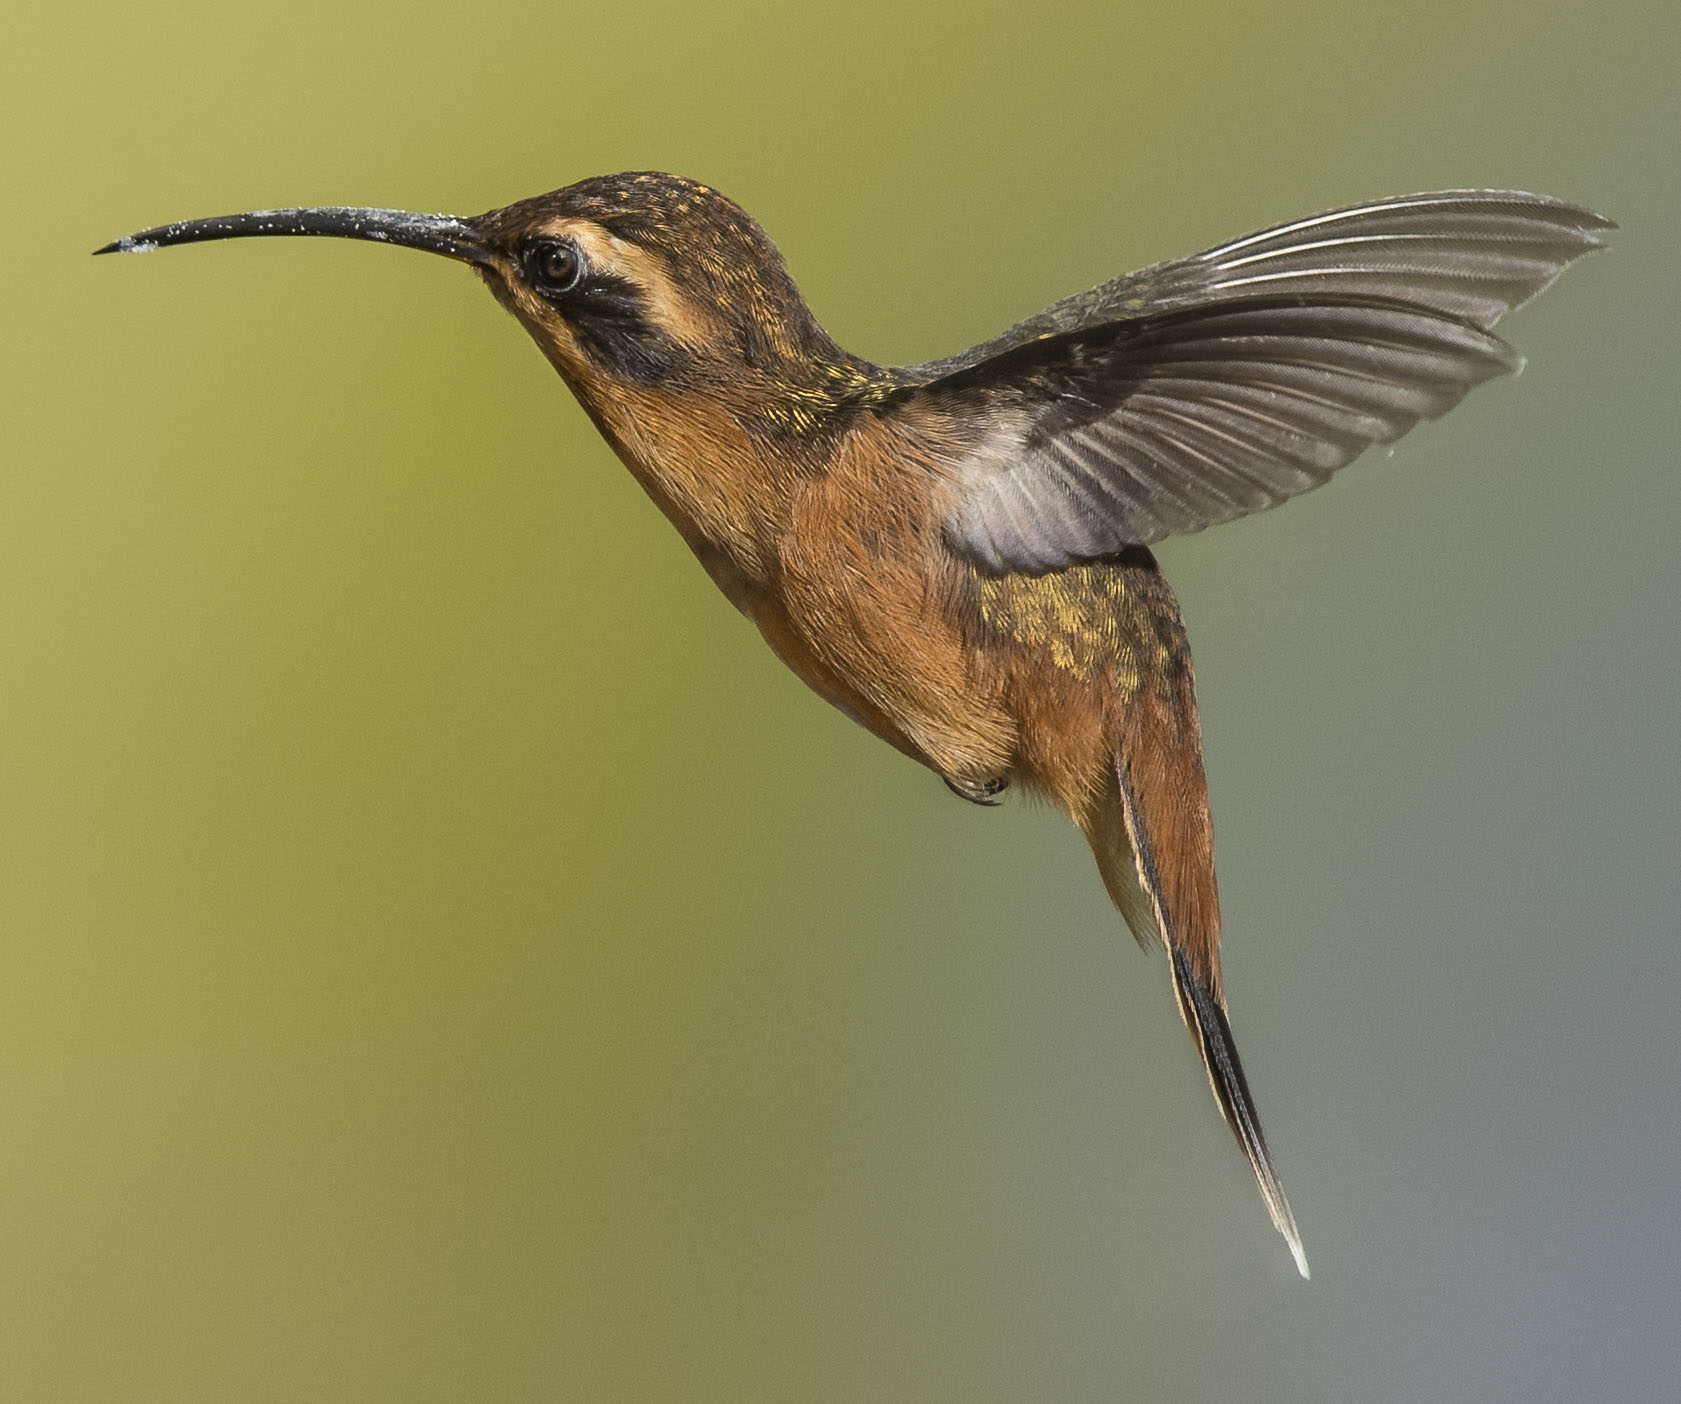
[555, 264]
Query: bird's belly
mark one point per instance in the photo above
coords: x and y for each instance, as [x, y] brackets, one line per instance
[897, 664]
[787, 642]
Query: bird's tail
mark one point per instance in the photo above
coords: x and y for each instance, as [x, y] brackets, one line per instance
[1205, 1016]
[1151, 833]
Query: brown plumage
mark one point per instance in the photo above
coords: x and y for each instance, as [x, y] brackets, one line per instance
[956, 554]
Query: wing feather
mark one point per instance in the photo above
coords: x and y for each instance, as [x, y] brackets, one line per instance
[1210, 387]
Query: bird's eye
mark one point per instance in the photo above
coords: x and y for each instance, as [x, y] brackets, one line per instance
[555, 264]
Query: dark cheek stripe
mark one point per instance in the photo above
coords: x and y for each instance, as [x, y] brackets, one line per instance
[607, 315]
[636, 353]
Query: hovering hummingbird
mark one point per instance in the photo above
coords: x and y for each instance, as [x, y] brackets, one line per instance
[956, 554]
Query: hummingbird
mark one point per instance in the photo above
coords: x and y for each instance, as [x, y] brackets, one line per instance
[956, 554]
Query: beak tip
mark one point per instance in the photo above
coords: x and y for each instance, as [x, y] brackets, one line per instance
[129, 243]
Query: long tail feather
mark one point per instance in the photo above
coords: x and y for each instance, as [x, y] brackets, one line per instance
[1153, 838]
[1208, 1024]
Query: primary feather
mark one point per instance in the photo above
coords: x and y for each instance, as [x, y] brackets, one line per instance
[1209, 387]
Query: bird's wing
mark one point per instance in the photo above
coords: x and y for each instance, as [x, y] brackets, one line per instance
[1221, 384]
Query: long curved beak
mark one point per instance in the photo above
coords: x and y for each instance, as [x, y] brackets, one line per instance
[431, 233]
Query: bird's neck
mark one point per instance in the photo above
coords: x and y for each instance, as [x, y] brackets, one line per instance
[706, 463]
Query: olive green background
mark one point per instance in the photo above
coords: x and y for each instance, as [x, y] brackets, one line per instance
[444, 957]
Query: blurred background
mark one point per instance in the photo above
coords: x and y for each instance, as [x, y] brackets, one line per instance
[443, 956]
